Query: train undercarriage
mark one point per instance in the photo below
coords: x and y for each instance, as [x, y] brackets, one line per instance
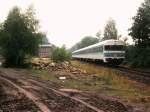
[112, 61]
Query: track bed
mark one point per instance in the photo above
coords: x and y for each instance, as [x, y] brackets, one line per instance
[11, 100]
[23, 92]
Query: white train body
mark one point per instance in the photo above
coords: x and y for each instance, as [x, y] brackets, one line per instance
[107, 51]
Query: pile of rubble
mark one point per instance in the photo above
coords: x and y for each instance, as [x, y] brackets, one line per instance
[47, 64]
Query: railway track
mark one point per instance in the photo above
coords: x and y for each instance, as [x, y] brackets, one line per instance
[134, 71]
[139, 75]
[43, 104]
[68, 96]
[28, 94]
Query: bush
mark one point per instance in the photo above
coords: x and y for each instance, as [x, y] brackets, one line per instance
[61, 54]
[138, 57]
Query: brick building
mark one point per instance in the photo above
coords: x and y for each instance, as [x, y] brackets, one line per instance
[45, 50]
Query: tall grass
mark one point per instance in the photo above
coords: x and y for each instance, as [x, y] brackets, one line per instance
[115, 83]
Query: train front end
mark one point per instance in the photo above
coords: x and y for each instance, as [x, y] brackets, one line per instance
[114, 52]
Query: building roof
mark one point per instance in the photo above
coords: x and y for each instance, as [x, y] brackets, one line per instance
[45, 45]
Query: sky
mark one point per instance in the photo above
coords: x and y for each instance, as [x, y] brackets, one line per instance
[66, 22]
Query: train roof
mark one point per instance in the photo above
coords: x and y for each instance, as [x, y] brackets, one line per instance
[106, 42]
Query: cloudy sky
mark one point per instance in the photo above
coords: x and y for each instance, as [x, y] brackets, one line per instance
[67, 21]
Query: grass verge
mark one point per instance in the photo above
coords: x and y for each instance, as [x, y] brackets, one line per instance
[113, 83]
[100, 80]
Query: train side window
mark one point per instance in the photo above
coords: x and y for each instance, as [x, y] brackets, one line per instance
[97, 49]
[101, 49]
[85, 51]
[91, 50]
[94, 50]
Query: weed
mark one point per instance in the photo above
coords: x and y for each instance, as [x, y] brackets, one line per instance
[113, 83]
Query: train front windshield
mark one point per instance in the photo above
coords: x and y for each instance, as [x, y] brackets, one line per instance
[114, 47]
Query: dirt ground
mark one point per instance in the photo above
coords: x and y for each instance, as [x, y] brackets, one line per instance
[11, 100]
[21, 91]
[34, 96]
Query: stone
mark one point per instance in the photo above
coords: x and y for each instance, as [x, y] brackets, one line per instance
[53, 64]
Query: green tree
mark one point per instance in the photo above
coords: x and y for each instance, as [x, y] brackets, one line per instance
[18, 36]
[140, 30]
[43, 38]
[110, 31]
[86, 41]
[98, 34]
[139, 55]
[61, 54]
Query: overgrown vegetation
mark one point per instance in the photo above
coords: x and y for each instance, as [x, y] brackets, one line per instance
[61, 54]
[100, 80]
[113, 83]
[139, 55]
[19, 37]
